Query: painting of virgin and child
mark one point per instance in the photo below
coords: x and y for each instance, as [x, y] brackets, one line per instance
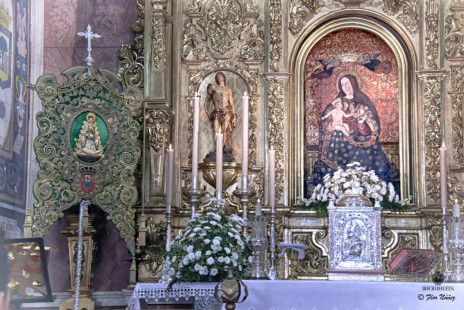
[350, 125]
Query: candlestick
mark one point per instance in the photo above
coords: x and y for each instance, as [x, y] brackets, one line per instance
[259, 208]
[219, 164]
[170, 156]
[245, 141]
[166, 278]
[456, 210]
[271, 177]
[272, 274]
[443, 176]
[196, 121]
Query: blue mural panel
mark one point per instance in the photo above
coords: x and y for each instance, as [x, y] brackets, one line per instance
[14, 108]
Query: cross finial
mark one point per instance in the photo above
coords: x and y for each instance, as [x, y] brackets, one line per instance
[89, 35]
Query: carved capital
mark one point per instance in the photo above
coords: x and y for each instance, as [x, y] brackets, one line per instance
[158, 126]
[159, 4]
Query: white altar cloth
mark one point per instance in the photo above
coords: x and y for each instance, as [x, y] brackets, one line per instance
[343, 295]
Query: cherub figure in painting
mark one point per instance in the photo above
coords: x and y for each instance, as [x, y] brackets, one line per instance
[337, 115]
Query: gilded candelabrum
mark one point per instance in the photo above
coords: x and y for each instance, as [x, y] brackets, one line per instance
[456, 247]
[258, 244]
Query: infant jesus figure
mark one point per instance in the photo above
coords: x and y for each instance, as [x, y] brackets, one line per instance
[337, 119]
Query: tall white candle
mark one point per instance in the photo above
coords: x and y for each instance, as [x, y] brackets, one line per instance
[196, 121]
[443, 177]
[245, 141]
[272, 177]
[219, 164]
[170, 154]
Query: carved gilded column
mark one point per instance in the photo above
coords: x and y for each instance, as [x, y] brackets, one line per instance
[275, 24]
[432, 83]
[277, 86]
[431, 28]
[454, 50]
[156, 73]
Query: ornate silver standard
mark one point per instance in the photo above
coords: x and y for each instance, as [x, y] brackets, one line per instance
[77, 281]
[89, 35]
[272, 274]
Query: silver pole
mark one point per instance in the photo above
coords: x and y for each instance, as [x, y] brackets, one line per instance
[77, 280]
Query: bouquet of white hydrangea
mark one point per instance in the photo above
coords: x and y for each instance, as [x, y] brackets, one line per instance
[211, 244]
[354, 180]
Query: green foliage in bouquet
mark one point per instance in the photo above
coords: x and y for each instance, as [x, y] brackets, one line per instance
[354, 180]
[211, 244]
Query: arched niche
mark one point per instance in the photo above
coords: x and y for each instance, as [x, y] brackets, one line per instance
[375, 26]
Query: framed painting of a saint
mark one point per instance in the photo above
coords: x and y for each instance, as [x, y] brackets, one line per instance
[351, 107]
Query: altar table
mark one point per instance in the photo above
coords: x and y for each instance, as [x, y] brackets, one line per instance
[337, 295]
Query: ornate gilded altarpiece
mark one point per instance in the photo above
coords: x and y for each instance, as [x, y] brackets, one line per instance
[78, 161]
[275, 50]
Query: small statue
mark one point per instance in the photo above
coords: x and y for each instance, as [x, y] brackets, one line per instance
[89, 145]
[220, 109]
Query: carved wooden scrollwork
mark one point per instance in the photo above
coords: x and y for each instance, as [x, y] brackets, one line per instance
[223, 25]
[218, 29]
[433, 130]
[300, 11]
[431, 39]
[192, 49]
[130, 70]
[159, 123]
[436, 232]
[276, 129]
[409, 16]
[316, 259]
[275, 22]
[457, 102]
[158, 55]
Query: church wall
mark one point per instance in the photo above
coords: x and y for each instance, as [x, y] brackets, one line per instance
[63, 19]
[14, 75]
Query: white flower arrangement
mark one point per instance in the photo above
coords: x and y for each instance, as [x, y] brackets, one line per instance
[211, 244]
[354, 180]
